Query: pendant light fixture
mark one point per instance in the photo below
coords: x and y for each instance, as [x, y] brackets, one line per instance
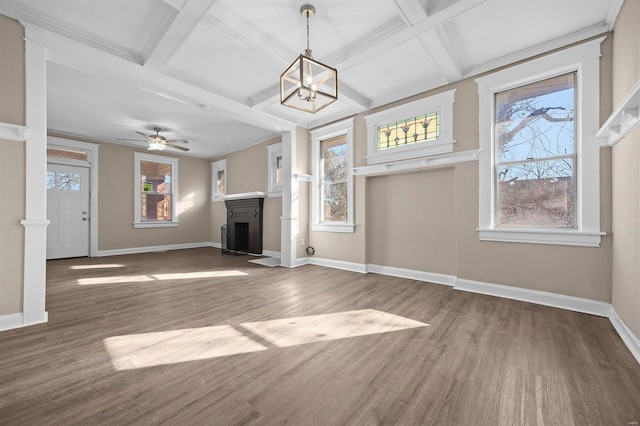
[307, 84]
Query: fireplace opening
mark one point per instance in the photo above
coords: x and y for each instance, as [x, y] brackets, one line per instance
[241, 237]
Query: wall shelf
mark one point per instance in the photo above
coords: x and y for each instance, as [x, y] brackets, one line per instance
[13, 132]
[422, 163]
[623, 119]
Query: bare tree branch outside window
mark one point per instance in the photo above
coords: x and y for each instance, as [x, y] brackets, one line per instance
[535, 154]
[334, 179]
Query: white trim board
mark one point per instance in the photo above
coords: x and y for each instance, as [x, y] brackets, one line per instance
[627, 336]
[570, 303]
[412, 274]
[150, 249]
[12, 321]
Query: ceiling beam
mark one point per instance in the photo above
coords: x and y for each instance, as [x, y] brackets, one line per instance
[411, 11]
[393, 37]
[188, 18]
[437, 44]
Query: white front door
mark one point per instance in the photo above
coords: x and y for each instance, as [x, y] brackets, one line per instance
[67, 211]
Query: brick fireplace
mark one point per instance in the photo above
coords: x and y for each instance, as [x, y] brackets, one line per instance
[244, 224]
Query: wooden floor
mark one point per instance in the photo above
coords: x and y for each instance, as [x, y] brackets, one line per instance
[114, 351]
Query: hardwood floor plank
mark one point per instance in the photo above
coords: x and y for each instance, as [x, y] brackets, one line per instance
[481, 360]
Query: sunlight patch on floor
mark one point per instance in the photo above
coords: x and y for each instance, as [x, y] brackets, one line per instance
[98, 266]
[159, 277]
[341, 325]
[176, 346]
[204, 274]
[115, 279]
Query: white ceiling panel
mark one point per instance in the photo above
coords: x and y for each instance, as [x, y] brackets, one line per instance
[336, 24]
[224, 64]
[107, 109]
[130, 26]
[502, 27]
[394, 73]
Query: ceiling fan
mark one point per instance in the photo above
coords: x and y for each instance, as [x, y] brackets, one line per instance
[158, 142]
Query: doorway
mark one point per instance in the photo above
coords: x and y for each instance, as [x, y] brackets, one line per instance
[68, 190]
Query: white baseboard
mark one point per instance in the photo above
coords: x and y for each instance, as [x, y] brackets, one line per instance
[330, 263]
[215, 245]
[149, 249]
[577, 304]
[412, 274]
[627, 336]
[11, 321]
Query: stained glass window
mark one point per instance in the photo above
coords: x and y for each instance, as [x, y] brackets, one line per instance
[414, 130]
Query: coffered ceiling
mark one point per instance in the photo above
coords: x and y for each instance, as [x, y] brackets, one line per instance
[208, 70]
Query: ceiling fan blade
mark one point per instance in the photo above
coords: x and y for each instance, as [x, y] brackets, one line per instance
[182, 148]
[142, 134]
[178, 141]
[135, 140]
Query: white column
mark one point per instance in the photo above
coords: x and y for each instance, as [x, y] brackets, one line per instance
[289, 218]
[35, 222]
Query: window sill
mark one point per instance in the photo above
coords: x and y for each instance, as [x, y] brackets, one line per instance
[333, 227]
[272, 194]
[543, 236]
[217, 198]
[423, 149]
[155, 224]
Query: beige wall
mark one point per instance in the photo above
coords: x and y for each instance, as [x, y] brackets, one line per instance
[115, 203]
[12, 98]
[427, 221]
[12, 173]
[247, 171]
[12, 167]
[626, 173]
[419, 237]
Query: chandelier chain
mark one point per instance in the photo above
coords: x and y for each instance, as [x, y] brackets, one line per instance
[307, 13]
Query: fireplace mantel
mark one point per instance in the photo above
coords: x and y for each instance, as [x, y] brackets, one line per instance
[244, 196]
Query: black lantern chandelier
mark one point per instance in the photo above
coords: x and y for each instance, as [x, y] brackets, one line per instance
[307, 84]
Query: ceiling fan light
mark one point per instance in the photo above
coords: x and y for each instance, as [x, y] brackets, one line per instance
[156, 146]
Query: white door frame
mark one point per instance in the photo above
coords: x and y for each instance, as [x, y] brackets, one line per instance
[92, 163]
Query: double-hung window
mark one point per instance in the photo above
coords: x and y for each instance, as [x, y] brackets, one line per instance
[275, 169]
[218, 180]
[156, 191]
[539, 158]
[332, 192]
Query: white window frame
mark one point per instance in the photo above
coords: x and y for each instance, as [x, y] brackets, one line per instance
[442, 103]
[217, 166]
[342, 128]
[137, 222]
[585, 61]
[274, 151]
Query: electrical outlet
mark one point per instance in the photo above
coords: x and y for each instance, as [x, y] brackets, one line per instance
[302, 241]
